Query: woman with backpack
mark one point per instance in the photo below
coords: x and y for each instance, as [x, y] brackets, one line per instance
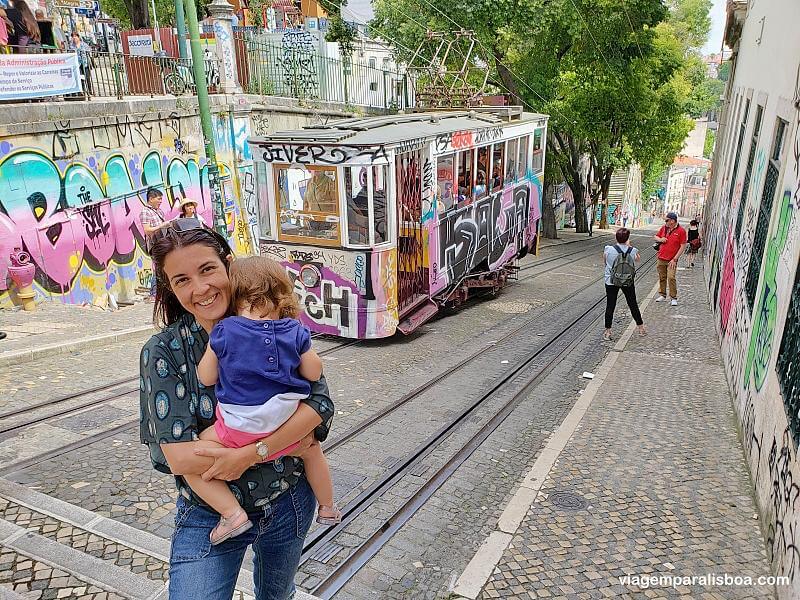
[620, 274]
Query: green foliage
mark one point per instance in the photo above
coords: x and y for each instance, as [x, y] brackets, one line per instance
[619, 78]
[338, 30]
[708, 148]
[129, 12]
[691, 20]
[724, 72]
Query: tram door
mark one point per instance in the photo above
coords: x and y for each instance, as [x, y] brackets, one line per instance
[411, 269]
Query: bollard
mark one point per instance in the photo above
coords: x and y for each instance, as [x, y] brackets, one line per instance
[21, 272]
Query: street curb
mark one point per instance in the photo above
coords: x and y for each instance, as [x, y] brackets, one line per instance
[23, 356]
[85, 567]
[478, 571]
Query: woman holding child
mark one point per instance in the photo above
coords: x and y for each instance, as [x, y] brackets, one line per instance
[238, 467]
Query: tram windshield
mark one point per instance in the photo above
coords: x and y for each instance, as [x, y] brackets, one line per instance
[308, 203]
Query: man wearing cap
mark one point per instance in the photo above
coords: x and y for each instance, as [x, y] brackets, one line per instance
[672, 240]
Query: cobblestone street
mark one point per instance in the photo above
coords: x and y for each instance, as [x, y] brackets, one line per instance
[659, 483]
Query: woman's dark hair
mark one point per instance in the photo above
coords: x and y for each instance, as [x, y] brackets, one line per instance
[167, 309]
[623, 235]
[28, 20]
[694, 222]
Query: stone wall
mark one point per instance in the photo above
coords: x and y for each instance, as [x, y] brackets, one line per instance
[73, 177]
[752, 250]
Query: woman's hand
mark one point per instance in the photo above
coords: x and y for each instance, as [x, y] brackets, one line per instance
[304, 445]
[229, 463]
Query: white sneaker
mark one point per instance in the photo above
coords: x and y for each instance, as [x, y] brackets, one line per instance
[661, 299]
[674, 302]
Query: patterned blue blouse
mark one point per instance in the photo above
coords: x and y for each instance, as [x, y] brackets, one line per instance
[175, 407]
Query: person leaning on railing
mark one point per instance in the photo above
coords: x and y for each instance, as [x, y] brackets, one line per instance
[84, 59]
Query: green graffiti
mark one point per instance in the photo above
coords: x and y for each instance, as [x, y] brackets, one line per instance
[761, 337]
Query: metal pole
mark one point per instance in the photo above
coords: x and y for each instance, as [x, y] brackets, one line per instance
[155, 20]
[198, 68]
[180, 23]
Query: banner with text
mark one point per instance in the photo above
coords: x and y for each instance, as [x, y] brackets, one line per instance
[25, 76]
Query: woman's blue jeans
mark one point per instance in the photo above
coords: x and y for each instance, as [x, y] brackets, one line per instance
[199, 570]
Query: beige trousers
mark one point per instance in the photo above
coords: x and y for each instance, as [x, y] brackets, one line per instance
[666, 274]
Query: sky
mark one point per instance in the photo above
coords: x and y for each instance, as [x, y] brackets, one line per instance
[717, 28]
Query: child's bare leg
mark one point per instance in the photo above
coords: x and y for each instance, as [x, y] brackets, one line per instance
[218, 496]
[319, 478]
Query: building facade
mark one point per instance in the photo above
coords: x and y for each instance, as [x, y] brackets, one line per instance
[752, 234]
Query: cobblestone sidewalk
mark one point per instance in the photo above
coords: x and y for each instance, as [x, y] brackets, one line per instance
[54, 327]
[651, 483]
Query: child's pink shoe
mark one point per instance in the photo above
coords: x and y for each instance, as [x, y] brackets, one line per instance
[329, 515]
[228, 528]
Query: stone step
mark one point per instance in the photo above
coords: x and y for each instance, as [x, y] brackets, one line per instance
[33, 565]
[116, 544]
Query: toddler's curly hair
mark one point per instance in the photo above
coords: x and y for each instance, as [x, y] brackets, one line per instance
[262, 283]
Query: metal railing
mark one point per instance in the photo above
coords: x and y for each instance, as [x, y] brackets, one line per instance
[274, 70]
[263, 68]
[114, 74]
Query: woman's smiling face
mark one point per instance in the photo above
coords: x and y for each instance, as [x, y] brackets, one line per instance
[199, 280]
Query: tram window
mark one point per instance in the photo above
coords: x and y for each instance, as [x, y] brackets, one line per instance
[482, 173]
[379, 195]
[497, 165]
[538, 153]
[445, 168]
[511, 160]
[262, 187]
[355, 185]
[308, 203]
[522, 164]
[465, 160]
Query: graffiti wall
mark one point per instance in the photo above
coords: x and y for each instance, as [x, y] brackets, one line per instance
[756, 296]
[71, 195]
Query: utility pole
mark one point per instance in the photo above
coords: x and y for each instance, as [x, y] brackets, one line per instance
[180, 23]
[198, 67]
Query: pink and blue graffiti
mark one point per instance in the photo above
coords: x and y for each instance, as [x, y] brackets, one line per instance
[76, 216]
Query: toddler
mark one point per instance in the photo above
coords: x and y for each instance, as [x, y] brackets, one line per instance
[261, 363]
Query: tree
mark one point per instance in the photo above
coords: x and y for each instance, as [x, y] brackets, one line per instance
[708, 148]
[610, 73]
[136, 13]
[724, 72]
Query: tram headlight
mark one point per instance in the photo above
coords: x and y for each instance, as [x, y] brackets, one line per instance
[310, 276]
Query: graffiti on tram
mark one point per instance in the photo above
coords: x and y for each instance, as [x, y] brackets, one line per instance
[356, 295]
[489, 232]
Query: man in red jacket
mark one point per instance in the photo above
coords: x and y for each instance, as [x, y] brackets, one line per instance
[672, 238]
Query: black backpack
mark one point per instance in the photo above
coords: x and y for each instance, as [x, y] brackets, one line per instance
[623, 271]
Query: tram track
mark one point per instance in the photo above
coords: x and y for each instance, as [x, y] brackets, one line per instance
[407, 397]
[558, 346]
[16, 425]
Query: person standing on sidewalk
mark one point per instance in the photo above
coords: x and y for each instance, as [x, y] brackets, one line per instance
[671, 240]
[153, 221]
[694, 243]
[620, 274]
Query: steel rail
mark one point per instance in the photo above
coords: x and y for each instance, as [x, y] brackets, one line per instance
[344, 572]
[72, 396]
[408, 396]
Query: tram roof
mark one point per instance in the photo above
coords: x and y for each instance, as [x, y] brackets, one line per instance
[394, 129]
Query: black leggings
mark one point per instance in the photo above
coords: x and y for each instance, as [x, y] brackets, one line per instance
[612, 291]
